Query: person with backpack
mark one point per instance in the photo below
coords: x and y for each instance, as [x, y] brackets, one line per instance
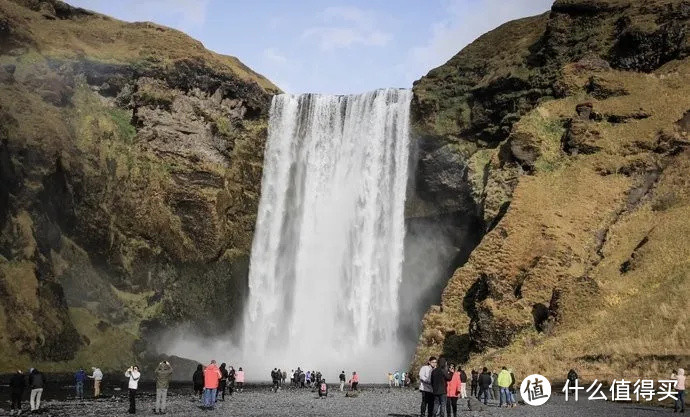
[503, 381]
[133, 385]
[463, 383]
[323, 389]
[484, 382]
[275, 378]
[36, 383]
[396, 378]
[163, 375]
[198, 380]
[17, 386]
[342, 378]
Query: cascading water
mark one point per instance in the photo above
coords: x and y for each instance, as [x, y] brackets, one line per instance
[326, 261]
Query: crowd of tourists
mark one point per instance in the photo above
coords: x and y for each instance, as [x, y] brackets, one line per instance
[442, 384]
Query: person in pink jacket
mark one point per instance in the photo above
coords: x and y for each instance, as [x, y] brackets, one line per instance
[354, 381]
[239, 379]
[211, 377]
[452, 391]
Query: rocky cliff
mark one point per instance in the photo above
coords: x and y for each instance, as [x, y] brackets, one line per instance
[565, 136]
[130, 167]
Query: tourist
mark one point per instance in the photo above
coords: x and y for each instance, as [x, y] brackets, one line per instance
[79, 379]
[323, 389]
[239, 378]
[439, 383]
[198, 380]
[425, 386]
[463, 383]
[275, 378]
[163, 375]
[231, 380]
[302, 379]
[390, 380]
[97, 377]
[17, 386]
[283, 377]
[494, 386]
[211, 377]
[307, 378]
[396, 378]
[503, 381]
[36, 383]
[474, 384]
[484, 382]
[680, 387]
[452, 392]
[511, 388]
[572, 378]
[223, 383]
[354, 381]
[133, 374]
[342, 378]
[403, 381]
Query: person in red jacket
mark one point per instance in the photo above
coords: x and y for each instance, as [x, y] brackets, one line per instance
[452, 391]
[211, 377]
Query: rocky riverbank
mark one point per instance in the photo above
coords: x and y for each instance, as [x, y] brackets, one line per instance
[371, 401]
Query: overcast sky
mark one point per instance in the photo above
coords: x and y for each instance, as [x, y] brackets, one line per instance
[335, 47]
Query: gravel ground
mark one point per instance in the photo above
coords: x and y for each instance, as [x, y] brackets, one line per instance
[372, 401]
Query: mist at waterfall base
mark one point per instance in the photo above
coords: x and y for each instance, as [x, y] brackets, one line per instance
[326, 270]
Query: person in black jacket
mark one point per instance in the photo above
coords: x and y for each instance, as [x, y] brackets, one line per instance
[475, 384]
[484, 382]
[572, 378]
[439, 381]
[223, 382]
[231, 380]
[17, 386]
[36, 382]
[198, 380]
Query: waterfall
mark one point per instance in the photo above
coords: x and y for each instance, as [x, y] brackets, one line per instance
[326, 261]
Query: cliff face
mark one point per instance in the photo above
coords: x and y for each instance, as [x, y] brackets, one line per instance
[130, 171]
[572, 128]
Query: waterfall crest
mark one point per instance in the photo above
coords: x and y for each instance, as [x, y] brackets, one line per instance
[327, 255]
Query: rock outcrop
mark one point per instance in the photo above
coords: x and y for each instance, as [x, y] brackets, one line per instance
[569, 127]
[130, 171]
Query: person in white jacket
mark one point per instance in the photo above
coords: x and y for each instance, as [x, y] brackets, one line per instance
[425, 387]
[133, 374]
[97, 377]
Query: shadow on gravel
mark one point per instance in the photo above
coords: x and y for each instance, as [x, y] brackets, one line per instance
[659, 410]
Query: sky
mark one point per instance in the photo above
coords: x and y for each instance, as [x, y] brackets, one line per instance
[329, 46]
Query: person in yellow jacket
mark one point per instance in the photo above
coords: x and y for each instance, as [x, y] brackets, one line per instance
[504, 380]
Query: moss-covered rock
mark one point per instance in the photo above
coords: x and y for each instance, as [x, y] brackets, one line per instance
[129, 184]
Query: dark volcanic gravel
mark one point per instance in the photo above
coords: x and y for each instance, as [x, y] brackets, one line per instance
[372, 401]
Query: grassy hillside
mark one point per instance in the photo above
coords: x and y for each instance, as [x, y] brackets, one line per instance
[131, 162]
[584, 262]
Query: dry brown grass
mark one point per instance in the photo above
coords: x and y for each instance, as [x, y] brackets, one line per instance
[110, 40]
[611, 323]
